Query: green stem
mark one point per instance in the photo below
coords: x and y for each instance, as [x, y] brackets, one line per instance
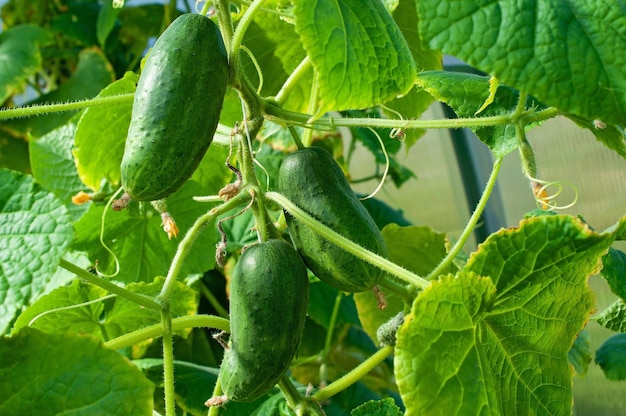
[242, 26]
[41, 109]
[185, 245]
[349, 246]
[110, 286]
[353, 376]
[280, 115]
[469, 228]
[293, 80]
[155, 331]
[222, 7]
[293, 397]
[405, 292]
[217, 391]
[168, 361]
[213, 300]
[331, 326]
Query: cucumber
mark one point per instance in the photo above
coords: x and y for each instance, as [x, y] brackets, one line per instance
[176, 108]
[269, 295]
[313, 180]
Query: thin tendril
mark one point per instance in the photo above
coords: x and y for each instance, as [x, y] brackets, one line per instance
[256, 66]
[396, 132]
[548, 202]
[387, 164]
[65, 308]
[104, 245]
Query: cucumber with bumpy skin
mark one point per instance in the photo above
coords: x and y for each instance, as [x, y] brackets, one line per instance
[176, 108]
[269, 295]
[312, 180]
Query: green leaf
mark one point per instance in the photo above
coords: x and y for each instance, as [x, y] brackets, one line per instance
[382, 213]
[357, 50]
[416, 101]
[418, 249]
[106, 21]
[20, 57]
[579, 356]
[614, 316]
[465, 93]
[54, 168]
[612, 137]
[13, 152]
[136, 237]
[386, 407]
[322, 299]
[611, 357]
[35, 232]
[50, 375]
[101, 135]
[614, 271]
[92, 74]
[569, 56]
[58, 313]
[531, 276]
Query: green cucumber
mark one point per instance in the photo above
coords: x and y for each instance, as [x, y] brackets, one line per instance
[176, 108]
[313, 180]
[269, 295]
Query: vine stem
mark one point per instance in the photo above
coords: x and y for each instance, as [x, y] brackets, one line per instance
[293, 80]
[469, 227]
[110, 286]
[278, 114]
[41, 109]
[351, 247]
[156, 330]
[242, 26]
[192, 234]
[168, 361]
[353, 376]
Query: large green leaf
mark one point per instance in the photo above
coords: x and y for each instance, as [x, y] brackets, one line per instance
[613, 317]
[385, 407]
[35, 232]
[568, 55]
[513, 312]
[611, 357]
[101, 135]
[20, 57]
[45, 374]
[358, 52]
[137, 238]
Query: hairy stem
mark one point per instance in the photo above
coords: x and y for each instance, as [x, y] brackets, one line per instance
[351, 247]
[155, 331]
[168, 361]
[184, 248]
[353, 376]
[293, 80]
[41, 109]
[469, 227]
[110, 286]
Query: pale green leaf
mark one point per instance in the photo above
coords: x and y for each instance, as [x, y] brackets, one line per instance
[465, 93]
[35, 232]
[54, 168]
[568, 55]
[101, 135]
[611, 357]
[20, 57]
[357, 50]
[612, 137]
[416, 248]
[613, 317]
[385, 407]
[485, 318]
[106, 21]
[137, 238]
[50, 375]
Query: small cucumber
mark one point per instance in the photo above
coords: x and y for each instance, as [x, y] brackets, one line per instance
[312, 180]
[269, 295]
[176, 108]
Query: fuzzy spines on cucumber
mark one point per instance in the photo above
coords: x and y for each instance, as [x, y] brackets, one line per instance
[313, 180]
[176, 108]
[269, 295]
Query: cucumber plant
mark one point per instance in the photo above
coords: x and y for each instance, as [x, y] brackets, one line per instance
[280, 325]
